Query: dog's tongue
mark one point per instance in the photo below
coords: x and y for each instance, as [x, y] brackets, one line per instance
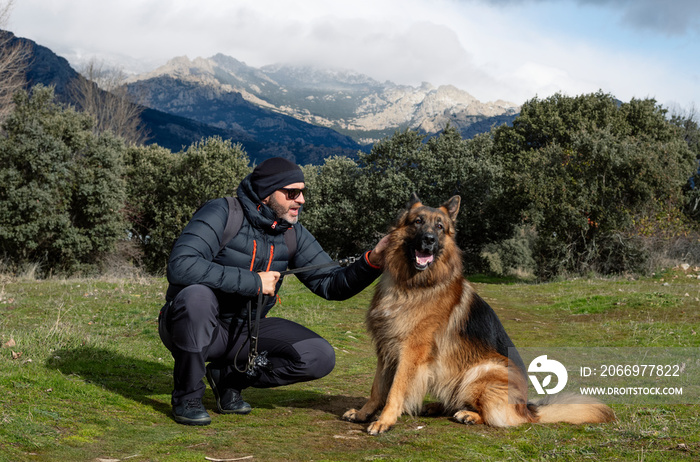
[423, 259]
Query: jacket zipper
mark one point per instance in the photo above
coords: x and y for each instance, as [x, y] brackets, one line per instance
[255, 250]
[272, 254]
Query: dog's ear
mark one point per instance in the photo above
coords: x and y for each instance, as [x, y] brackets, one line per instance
[452, 207]
[413, 201]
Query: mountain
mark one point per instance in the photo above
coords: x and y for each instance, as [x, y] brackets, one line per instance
[247, 123]
[303, 113]
[345, 101]
[46, 68]
[276, 134]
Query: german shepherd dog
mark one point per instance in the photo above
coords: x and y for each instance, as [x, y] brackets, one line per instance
[434, 335]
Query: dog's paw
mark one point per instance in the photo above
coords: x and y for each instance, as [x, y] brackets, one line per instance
[375, 428]
[468, 417]
[353, 415]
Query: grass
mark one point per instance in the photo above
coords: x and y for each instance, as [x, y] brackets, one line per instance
[84, 377]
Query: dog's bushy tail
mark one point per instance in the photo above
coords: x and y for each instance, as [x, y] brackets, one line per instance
[573, 409]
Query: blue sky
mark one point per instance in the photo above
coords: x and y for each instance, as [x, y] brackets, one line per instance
[511, 50]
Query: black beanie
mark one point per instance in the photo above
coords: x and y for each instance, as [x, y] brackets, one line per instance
[273, 174]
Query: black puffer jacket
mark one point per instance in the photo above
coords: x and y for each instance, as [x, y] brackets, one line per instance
[258, 246]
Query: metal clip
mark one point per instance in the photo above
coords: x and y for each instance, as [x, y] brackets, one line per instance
[347, 261]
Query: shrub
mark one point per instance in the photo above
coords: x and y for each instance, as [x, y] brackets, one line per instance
[513, 256]
[61, 187]
[580, 170]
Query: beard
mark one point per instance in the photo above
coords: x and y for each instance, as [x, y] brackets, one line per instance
[289, 213]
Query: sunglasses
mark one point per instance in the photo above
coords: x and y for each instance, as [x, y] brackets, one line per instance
[292, 193]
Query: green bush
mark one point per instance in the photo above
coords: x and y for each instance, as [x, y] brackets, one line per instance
[351, 205]
[583, 170]
[512, 256]
[61, 187]
[574, 185]
[330, 211]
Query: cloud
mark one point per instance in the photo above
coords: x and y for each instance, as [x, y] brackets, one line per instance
[494, 49]
[420, 51]
[671, 18]
[674, 18]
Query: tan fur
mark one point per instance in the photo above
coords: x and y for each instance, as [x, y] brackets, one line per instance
[415, 320]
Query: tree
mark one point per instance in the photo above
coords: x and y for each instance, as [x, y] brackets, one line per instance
[350, 205]
[331, 212]
[585, 171]
[691, 133]
[61, 187]
[101, 93]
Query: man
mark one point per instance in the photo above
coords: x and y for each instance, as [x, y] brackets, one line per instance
[205, 318]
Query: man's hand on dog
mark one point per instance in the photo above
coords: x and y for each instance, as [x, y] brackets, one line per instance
[376, 256]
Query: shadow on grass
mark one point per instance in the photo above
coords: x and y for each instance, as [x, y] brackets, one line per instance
[139, 379]
[133, 378]
[271, 398]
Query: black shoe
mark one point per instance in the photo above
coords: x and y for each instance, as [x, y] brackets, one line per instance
[191, 412]
[228, 400]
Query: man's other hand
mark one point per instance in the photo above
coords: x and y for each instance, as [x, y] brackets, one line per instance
[269, 281]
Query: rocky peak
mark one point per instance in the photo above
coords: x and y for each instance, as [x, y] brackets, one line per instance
[345, 100]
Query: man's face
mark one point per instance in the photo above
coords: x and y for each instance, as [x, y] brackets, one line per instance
[281, 203]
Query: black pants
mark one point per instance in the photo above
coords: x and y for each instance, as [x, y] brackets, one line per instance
[190, 328]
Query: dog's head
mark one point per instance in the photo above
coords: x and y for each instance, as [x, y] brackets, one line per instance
[427, 228]
[423, 234]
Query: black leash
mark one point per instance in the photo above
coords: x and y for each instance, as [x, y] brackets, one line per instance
[341, 262]
[257, 361]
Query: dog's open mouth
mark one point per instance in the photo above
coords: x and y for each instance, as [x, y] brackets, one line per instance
[423, 260]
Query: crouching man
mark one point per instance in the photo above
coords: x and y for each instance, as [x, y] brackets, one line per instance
[204, 322]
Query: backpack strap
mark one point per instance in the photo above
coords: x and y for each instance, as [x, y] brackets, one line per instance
[235, 221]
[290, 238]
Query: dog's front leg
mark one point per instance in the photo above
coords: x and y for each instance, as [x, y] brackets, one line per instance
[408, 384]
[377, 397]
